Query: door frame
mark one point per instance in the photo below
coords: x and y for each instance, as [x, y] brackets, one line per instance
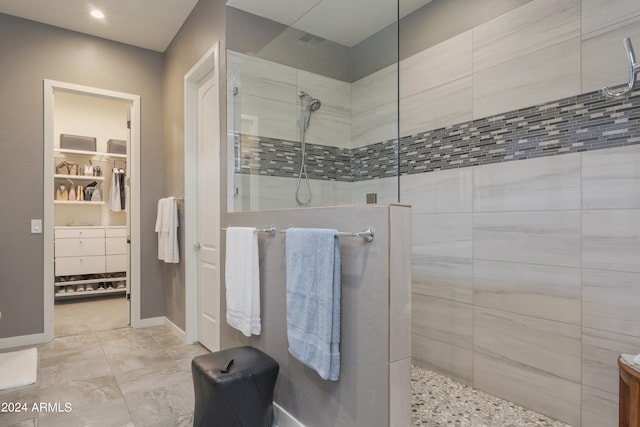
[50, 87]
[209, 62]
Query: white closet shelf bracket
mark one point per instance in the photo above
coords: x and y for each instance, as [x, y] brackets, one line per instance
[634, 68]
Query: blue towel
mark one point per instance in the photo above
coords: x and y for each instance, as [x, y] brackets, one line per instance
[313, 299]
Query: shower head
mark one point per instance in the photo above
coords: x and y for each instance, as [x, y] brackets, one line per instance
[314, 105]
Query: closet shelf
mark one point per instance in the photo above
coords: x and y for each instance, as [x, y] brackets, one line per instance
[75, 202]
[80, 177]
[88, 281]
[66, 295]
[60, 152]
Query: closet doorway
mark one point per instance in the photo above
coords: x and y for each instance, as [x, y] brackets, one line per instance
[91, 221]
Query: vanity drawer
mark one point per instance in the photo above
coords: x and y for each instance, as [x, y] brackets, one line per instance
[79, 247]
[78, 232]
[79, 265]
[116, 246]
[115, 263]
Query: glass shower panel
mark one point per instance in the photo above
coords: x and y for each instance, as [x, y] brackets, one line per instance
[313, 105]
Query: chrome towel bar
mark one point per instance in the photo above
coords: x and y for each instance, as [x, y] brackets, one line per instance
[271, 230]
[367, 234]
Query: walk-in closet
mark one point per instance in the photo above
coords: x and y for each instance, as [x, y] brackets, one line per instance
[91, 212]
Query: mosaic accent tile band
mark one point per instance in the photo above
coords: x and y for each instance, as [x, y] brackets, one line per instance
[275, 157]
[579, 123]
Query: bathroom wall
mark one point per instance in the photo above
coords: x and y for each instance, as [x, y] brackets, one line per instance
[374, 385]
[201, 30]
[524, 186]
[32, 52]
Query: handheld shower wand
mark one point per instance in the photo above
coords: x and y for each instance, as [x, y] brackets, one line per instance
[313, 106]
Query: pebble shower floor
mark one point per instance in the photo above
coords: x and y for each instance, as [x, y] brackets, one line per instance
[439, 401]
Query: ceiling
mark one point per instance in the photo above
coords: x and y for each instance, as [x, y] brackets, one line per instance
[347, 22]
[133, 22]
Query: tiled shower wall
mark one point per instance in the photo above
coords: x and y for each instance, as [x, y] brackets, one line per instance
[526, 250]
[526, 273]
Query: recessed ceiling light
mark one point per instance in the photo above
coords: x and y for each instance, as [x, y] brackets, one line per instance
[97, 14]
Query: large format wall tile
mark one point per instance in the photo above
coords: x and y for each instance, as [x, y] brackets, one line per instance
[528, 80]
[443, 277]
[375, 125]
[544, 291]
[447, 235]
[529, 361]
[374, 107]
[442, 63]
[331, 124]
[600, 351]
[443, 320]
[551, 238]
[266, 117]
[386, 190]
[536, 25]
[611, 178]
[375, 90]
[438, 192]
[438, 107]
[258, 192]
[599, 408]
[265, 79]
[549, 394]
[598, 14]
[328, 126]
[611, 301]
[534, 343]
[611, 240]
[604, 58]
[447, 359]
[548, 183]
[331, 92]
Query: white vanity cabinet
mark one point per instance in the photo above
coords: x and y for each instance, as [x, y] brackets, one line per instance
[90, 260]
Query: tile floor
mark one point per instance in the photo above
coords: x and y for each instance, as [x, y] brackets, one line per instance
[113, 375]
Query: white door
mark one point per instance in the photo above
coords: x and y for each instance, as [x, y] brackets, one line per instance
[208, 200]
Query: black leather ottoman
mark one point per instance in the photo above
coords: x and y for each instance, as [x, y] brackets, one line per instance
[239, 394]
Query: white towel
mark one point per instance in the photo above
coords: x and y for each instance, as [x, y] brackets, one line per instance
[167, 229]
[242, 280]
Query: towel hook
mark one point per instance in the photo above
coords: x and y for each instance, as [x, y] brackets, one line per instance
[634, 68]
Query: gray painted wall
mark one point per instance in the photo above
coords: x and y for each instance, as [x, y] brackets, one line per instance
[204, 26]
[254, 35]
[32, 52]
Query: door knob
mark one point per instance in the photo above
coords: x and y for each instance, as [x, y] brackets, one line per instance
[197, 246]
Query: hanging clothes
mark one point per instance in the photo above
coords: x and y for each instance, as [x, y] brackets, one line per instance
[123, 197]
[117, 196]
[114, 191]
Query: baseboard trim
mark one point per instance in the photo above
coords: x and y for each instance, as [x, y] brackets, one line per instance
[284, 419]
[151, 321]
[175, 329]
[22, 340]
